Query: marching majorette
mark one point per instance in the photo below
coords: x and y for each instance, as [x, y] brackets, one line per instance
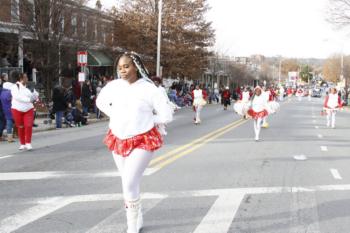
[331, 105]
[158, 82]
[299, 93]
[199, 100]
[136, 108]
[241, 107]
[270, 96]
[259, 109]
[281, 93]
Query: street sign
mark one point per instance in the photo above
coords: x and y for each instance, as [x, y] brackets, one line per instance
[82, 58]
[81, 77]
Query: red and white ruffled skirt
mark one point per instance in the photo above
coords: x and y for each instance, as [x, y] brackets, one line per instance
[256, 115]
[150, 141]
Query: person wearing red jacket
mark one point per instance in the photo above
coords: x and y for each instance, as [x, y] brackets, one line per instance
[331, 105]
[226, 95]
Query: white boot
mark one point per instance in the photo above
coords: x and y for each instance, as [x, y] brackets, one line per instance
[139, 223]
[132, 211]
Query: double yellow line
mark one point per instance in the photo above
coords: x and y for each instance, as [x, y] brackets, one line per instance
[171, 156]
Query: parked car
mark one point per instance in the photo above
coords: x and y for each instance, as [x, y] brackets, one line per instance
[316, 93]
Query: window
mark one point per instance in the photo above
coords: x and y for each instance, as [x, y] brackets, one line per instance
[74, 24]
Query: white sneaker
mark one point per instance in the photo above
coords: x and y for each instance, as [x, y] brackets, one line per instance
[22, 147]
[29, 146]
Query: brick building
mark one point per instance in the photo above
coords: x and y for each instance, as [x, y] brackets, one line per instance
[27, 25]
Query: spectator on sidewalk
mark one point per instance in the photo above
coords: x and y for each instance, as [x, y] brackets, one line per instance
[87, 97]
[2, 116]
[59, 105]
[23, 110]
[5, 98]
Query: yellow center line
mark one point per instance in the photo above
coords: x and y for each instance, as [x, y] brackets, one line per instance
[173, 152]
[208, 139]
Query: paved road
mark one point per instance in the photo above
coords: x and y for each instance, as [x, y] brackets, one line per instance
[209, 178]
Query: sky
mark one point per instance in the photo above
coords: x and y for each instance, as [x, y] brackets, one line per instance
[288, 28]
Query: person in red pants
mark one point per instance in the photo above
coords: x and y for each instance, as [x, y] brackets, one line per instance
[22, 109]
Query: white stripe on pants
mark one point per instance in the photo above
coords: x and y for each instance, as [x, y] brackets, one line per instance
[131, 169]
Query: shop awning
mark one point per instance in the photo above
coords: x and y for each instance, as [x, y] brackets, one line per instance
[98, 58]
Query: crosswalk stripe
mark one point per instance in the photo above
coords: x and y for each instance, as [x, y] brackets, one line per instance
[11, 176]
[218, 218]
[111, 225]
[221, 214]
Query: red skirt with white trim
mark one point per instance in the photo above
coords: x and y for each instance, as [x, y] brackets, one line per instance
[256, 115]
[150, 141]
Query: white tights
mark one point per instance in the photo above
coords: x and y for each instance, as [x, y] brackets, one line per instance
[198, 113]
[131, 169]
[331, 118]
[257, 127]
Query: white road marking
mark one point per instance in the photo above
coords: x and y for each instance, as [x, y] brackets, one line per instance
[221, 214]
[32, 214]
[45, 206]
[336, 174]
[316, 127]
[300, 157]
[8, 176]
[324, 148]
[319, 135]
[110, 224]
[6, 156]
[313, 121]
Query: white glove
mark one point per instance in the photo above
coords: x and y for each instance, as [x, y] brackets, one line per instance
[161, 129]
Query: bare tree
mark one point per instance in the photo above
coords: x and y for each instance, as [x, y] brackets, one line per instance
[339, 13]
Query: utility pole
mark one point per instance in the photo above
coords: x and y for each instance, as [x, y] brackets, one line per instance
[160, 5]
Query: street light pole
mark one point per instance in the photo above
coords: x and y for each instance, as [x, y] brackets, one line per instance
[160, 3]
[279, 72]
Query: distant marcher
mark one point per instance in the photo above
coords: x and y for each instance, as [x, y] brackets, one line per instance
[23, 110]
[258, 110]
[199, 100]
[331, 105]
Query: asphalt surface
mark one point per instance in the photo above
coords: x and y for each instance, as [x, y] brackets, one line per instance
[211, 177]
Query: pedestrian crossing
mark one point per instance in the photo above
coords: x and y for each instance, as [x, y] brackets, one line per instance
[198, 211]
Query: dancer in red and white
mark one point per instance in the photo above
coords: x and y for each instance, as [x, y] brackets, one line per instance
[199, 100]
[242, 105]
[299, 93]
[135, 107]
[331, 105]
[258, 110]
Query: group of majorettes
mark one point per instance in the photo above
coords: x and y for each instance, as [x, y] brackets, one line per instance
[258, 106]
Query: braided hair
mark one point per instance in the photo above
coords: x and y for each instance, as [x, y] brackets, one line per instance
[142, 72]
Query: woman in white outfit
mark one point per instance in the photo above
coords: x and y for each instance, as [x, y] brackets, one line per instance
[242, 105]
[331, 105]
[258, 110]
[136, 108]
[198, 103]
